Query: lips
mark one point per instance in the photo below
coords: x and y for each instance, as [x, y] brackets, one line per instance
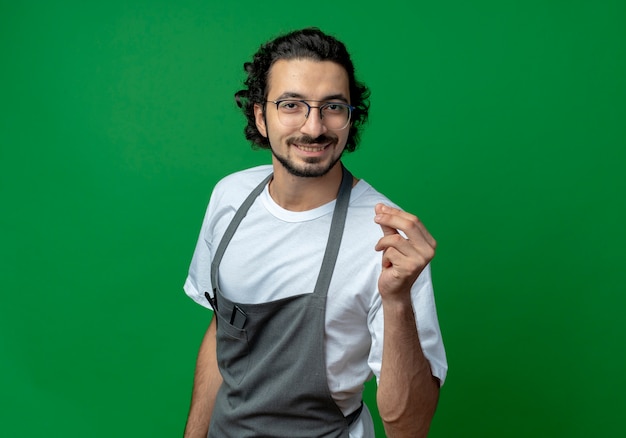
[310, 148]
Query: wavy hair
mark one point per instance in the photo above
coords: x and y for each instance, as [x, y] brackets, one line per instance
[309, 43]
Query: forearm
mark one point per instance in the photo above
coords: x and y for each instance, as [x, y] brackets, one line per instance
[407, 393]
[207, 381]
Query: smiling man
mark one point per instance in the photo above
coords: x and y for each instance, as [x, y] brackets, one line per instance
[317, 281]
[306, 146]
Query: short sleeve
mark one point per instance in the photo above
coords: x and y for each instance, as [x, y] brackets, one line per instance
[199, 277]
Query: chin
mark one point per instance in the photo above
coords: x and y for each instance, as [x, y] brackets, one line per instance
[312, 167]
[308, 169]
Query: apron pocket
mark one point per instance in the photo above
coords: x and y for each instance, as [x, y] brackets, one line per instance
[233, 351]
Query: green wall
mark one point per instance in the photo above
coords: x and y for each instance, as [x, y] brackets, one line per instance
[500, 123]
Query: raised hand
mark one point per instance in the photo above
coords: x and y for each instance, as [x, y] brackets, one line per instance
[404, 257]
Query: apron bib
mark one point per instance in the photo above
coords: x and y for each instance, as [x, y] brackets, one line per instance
[271, 355]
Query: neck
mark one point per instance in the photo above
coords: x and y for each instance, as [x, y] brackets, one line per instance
[304, 193]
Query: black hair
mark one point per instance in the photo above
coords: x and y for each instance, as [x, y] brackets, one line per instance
[309, 43]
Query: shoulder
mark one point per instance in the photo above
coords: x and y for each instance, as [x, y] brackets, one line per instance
[252, 176]
[236, 186]
[362, 232]
[229, 193]
[365, 197]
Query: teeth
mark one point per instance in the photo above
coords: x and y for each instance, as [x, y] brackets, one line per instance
[311, 149]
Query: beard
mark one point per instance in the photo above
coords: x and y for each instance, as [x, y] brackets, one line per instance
[312, 166]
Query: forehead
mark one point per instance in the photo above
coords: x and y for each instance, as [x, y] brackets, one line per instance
[307, 79]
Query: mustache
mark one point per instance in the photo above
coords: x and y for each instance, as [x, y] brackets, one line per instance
[307, 139]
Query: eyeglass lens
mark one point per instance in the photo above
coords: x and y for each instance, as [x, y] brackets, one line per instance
[294, 113]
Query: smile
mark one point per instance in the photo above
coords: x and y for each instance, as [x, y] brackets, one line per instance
[308, 148]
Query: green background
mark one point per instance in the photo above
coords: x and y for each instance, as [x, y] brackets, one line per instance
[500, 123]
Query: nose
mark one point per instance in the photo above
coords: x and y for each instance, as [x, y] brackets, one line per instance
[313, 125]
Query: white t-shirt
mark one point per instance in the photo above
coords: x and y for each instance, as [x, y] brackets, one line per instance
[276, 253]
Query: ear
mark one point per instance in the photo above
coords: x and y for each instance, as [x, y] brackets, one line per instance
[259, 118]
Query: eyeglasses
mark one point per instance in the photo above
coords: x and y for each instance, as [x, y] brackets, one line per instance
[294, 113]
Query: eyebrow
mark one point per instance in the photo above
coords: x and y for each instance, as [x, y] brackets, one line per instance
[292, 95]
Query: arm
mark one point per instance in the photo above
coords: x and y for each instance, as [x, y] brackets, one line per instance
[207, 381]
[407, 392]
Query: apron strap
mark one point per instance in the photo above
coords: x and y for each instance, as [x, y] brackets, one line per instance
[336, 232]
[334, 237]
[232, 227]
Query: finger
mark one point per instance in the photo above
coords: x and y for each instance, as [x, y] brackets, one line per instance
[406, 258]
[387, 230]
[397, 247]
[396, 219]
[396, 241]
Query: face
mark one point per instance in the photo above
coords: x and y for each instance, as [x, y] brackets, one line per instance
[312, 149]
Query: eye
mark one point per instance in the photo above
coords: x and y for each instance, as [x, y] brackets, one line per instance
[290, 106]
[335, 107]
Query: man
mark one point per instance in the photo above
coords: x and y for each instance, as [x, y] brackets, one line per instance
[316, 280]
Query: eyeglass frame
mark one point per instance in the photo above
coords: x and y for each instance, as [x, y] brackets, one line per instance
[306, 117]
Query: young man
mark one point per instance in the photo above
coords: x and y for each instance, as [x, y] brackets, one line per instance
[316, 280]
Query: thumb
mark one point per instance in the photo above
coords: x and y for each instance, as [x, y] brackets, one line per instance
[380, 217]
